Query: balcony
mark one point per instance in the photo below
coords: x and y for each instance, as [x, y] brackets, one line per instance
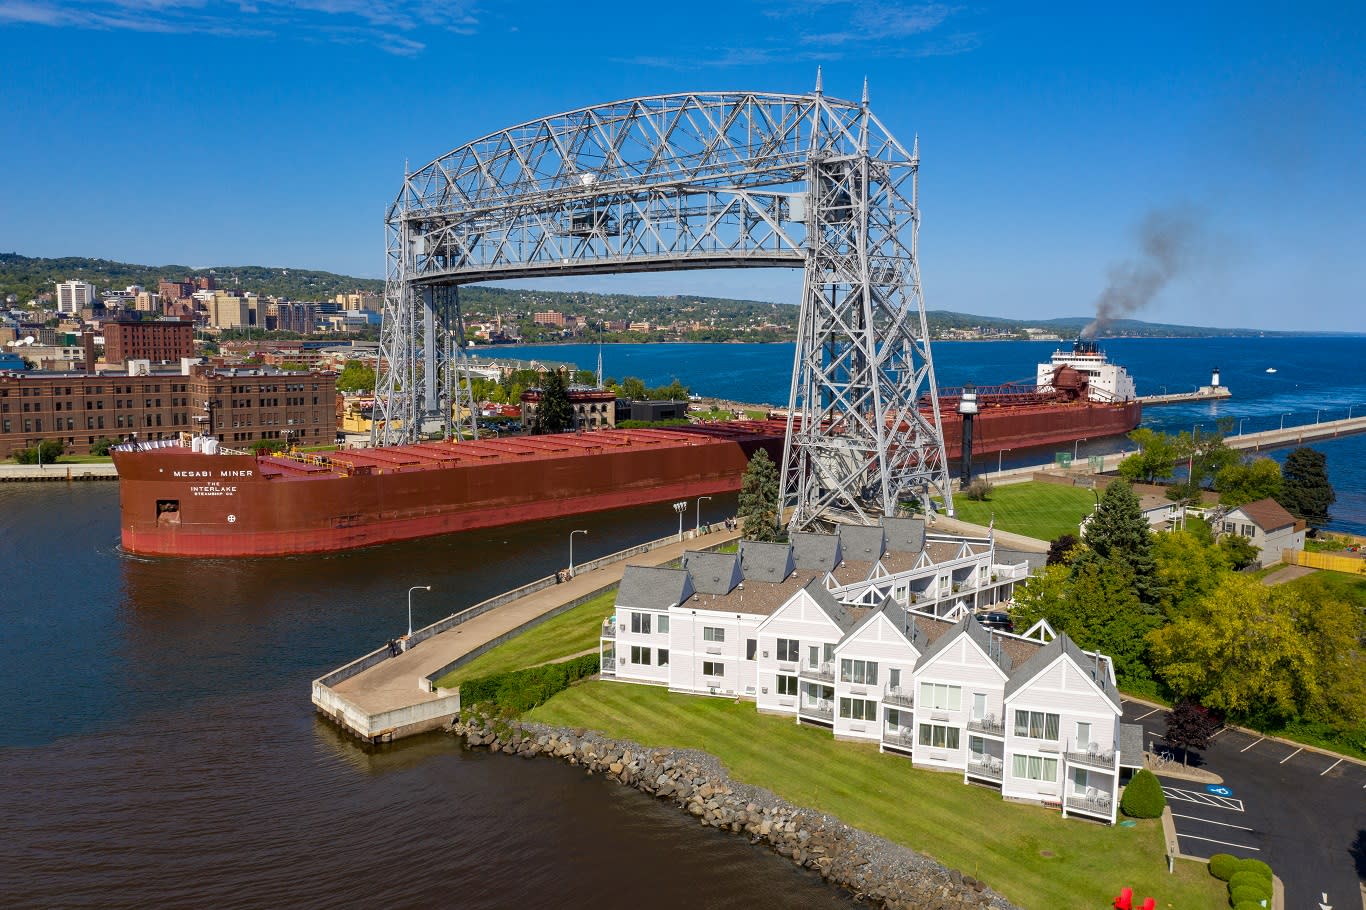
[609, 665]
[822, 710]
[987, 726]
[903, 737]
[1097, 805]
[1093, 758]
[988, 768]
[825, 672]
[896, 695]
[609, 629]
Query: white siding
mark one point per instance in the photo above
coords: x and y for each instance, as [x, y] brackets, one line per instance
[799, 619]
[876, 640]
[654, 641]
[689, 651]
[961, 664]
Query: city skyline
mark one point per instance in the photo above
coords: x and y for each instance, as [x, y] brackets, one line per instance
[275, 134]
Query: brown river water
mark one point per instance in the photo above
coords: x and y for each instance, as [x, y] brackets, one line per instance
[158, 748]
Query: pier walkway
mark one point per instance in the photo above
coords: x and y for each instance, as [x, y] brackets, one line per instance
[1204, 393]
[60, 471]
[381, 697]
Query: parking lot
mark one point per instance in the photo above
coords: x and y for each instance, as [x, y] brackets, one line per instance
[1299, 810]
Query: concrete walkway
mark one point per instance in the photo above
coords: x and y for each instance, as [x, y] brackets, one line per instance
[401, 681]
[60, 471]
[1289, 573]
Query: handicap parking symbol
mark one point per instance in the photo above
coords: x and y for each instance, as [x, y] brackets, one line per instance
[1218, 790]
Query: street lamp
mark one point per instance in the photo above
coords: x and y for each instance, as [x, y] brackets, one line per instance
[1195, 432]
[410, 604]
[680, 508]
[699, 513]
[1316, 415]
[1241, 421]
[1075, 446]
[1283, 416]
[571, 549]
[999, 455]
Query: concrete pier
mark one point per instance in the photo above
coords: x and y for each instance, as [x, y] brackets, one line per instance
[381, 697]
[1204, 393]
[60, 471]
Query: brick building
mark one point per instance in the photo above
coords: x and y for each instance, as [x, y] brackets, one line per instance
[246, 406]
[159, 340]
[594, 409]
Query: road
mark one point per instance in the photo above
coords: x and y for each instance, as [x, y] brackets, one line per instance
[1300, 811]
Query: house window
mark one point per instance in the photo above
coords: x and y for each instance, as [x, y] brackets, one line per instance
[1036, 725]
[938, 736]
[1230, 527]
[1034, 767]
[894, 677]
[712, 633]
[640, 623]
[979, 705]
[941, 697]
[858, 709]
[1083, 735]
[640, 656]
[813, 655]
[858, 671]
[978, 747]
[787, 685]
[828, 654]
[662, 625]
[894, 717]
[788, 650]
[751, 645]
[663, 657]
[713, 668]
[1248, 530]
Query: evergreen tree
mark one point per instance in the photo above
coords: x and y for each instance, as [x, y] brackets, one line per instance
[554, 414]
[1249, 481]
[1305, 490]
[1118, 532]
[759, 493]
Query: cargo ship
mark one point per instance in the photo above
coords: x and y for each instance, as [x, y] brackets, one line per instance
[1077, 394]
[189, 497]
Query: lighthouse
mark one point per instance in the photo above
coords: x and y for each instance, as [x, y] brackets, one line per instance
[967, 408]
[1214, 379]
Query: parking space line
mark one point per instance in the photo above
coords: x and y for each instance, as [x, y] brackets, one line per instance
[1330, 768]
[1250, 746]
[1203, 799]
[1153, 711]
[1216, 733]
[1292, 755]
[1224, 842]
[1210, 821]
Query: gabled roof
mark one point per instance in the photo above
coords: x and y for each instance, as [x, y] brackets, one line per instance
[898, 617]
[979, 634]
[653, 587]
[862, 544]
[760, 561]
[1044, 658]
[1267, 514]
[814, 551]
[712, 573]
[844, 617]
[904, 535]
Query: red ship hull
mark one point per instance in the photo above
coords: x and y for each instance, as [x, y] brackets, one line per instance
[1012, 428]
[176, 502]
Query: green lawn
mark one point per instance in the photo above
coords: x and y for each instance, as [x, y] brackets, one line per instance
[1029, 854]
[85, 459]
[1041, 510]
[569, 633]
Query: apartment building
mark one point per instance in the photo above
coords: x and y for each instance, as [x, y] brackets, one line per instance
[74, 296]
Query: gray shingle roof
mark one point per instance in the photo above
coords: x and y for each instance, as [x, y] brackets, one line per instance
[1131, 745]
[838, 612]
[712, 573]
[815, 552]
[859, 542]
[1049, 653]
[1008, 557]
[898, 617]
[771, 562]
[970, 627]
[905, 535]
[653, 587]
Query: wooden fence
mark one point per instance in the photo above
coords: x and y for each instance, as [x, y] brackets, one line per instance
[1324, 561]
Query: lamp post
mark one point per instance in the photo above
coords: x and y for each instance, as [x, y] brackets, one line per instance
[1241, 421]
[680, 508]
[999, 455]
[1317, 413]
[1195, 432]
[1076, 445]
[410, 604]
[571, 549]
[699, 513]
[1283, 416]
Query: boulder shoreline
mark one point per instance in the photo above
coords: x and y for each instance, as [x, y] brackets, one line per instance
[871, 868]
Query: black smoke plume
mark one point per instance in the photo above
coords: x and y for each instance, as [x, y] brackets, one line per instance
[1167, 241]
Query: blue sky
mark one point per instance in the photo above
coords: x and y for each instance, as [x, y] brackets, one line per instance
[275, 133]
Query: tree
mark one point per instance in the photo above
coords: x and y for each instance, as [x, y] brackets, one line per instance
[554, 414]
[1118, 531]
[1239, 551]
[1305, 490]
[1143, 798]
[102, 446]
[979, 490]
[633, 389]
[1156, 454]
[47, 451]
[1060, 549]
[1189, 567]
[356, 376]
[1248, 481]
[758, 510]
[1190, 726]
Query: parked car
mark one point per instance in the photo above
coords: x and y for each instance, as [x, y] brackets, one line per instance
[997, 620]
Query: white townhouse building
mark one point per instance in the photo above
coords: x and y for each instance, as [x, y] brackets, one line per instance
[1038, 720]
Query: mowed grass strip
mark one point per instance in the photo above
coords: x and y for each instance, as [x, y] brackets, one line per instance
[572, 632]
[1029, 854]
[1041, 510]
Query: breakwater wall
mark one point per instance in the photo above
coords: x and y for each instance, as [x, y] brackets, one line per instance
[872, 868]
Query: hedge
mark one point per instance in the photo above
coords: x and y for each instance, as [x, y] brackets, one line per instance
[1222, 866]
[1255, 866]
[1248, 905]
[1250, 879]
[518, 691]
[1247, 895]
[1143, 798]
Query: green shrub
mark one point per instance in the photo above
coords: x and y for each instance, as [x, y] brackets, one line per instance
[1255, 866]
[1248, 905]
[1249, 879]
[1143, 798]
[518, 691]
[1247, 895]
[1222, 866]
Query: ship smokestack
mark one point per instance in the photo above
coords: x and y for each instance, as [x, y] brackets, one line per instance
[967, 409]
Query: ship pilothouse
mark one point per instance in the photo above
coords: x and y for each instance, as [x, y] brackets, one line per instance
[1086, 371]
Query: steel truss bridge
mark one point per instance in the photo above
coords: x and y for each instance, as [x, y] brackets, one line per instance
[693, 181]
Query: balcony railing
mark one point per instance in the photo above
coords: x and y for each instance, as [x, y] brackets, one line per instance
[609, 665]
[899, 736]
[896, 695]
[990, 768]
[988, 725]
[1098, 806]
[1093, 759]
[825, 672]
[824, 710]
[609, 630]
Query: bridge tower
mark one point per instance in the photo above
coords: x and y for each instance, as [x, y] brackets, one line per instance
[858, 442]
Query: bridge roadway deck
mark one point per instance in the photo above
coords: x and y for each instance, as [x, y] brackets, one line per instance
[399, 682]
